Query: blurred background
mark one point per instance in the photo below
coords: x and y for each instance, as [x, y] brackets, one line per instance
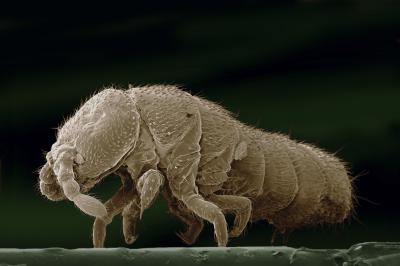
[326, 72]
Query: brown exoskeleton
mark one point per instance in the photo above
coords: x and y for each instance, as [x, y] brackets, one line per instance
[205, 162]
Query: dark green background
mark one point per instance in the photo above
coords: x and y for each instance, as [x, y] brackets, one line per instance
[325, 72]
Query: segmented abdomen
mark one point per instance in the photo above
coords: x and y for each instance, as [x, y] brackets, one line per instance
[303, 185]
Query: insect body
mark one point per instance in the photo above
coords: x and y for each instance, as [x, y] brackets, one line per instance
[205, 162]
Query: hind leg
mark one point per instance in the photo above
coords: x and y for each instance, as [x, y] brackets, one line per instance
[241, 206]
[181, 174]
[193, 222]
[284, 236]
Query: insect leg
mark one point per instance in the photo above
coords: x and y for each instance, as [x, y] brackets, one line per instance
[148, 187]
[114, 206]
[130, 215]
[211, 213]
[194, 223]
[241, 206]
[186, 191]
[285, 237]
[273, 237]
[181, 174]
[144, 194]
[283, 234]
[193, 232]
[131, 211]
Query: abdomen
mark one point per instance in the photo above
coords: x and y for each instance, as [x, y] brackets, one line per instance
[303, 185]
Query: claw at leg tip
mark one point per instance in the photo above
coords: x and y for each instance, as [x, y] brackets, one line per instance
[131, 239]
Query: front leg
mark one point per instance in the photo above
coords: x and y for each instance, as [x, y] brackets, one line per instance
[145, 192]
[130, 215]
[131, 211]
[131, 200]
[114, 206]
